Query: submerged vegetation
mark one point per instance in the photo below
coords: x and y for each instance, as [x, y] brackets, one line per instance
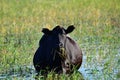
[97, 32]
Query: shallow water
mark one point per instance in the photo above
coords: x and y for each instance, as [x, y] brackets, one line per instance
[99, 71]
[89, 72]
[24, 74]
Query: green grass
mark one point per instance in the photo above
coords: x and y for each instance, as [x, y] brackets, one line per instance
[97, 32]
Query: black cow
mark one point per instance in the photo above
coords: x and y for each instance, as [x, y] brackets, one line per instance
[57, 51]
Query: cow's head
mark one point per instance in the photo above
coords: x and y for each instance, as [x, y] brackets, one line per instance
[58, 37]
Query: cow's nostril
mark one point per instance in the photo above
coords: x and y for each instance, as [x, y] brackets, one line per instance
[71, 66]
[67, 64]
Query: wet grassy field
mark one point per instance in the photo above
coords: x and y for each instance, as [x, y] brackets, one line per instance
[97, 32]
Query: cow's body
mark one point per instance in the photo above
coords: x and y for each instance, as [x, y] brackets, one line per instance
[57, 51]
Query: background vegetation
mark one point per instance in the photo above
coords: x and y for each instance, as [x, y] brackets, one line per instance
[97, 32]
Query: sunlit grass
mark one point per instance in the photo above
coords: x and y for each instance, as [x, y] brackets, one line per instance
[97, 32]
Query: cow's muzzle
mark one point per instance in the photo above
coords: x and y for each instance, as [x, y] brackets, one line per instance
[62, 53]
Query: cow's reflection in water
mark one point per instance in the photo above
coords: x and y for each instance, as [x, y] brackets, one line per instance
[57, 52]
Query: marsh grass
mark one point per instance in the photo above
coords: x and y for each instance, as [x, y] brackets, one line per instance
[97, 32]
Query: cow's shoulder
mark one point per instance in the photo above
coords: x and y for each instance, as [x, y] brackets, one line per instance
[71, 40]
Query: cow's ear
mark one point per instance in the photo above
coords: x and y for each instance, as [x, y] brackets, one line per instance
[69, 29]
[46, 31]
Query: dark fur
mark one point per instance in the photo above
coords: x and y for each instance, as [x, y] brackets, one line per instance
[47, 57]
